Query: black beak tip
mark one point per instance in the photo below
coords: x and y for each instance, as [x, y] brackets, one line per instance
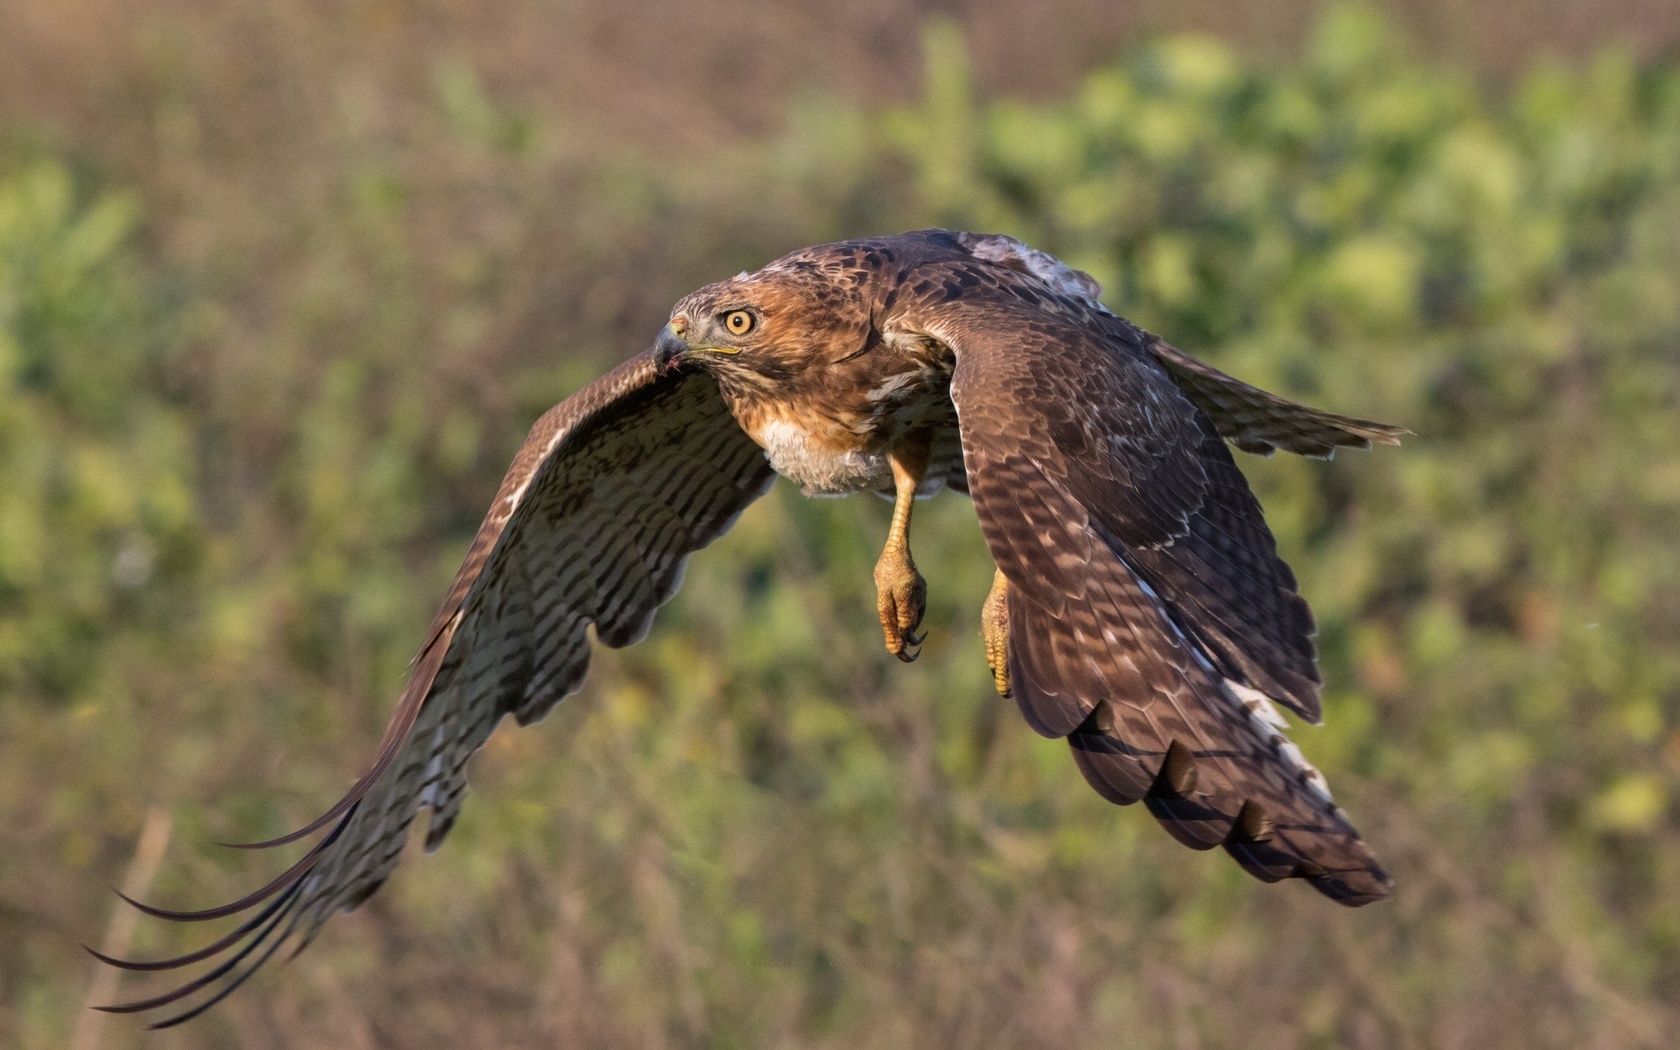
[668, 349]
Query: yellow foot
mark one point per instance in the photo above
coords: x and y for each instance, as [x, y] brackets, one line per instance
[994, 630]
[901, 599]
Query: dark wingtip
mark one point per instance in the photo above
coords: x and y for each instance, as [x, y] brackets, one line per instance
[337, 810]
[213, 948]
[237, 845]
[1353, 888]
[286, 879]
[205, 914]
[263, 932]
[111, 960]
[159, 913]
[231, 986]
[163, 964]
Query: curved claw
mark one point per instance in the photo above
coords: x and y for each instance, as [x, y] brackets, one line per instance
[901, 600]
[906, 656]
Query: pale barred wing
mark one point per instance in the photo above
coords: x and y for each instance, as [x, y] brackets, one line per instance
[1149, 614]
[1248, 417]
[608, 496]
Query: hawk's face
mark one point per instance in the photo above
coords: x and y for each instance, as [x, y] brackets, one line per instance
[771, 331]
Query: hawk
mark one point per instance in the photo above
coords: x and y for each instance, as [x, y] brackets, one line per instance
[1139, 608]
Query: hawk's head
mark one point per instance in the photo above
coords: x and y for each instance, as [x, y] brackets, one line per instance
[768, 329]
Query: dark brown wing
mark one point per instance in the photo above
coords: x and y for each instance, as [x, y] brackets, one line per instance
[1260, 422]
[609, 494]
[1150, 617]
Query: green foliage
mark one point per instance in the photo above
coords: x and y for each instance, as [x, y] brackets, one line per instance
[234, 477]
[98, 515]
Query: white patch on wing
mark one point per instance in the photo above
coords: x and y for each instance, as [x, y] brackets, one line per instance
[998, 248]
[1258, 704]
[433, 774]
[1309, 772]
[1270, 722]
[1259, 707]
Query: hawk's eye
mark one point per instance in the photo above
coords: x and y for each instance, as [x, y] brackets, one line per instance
[739, 322]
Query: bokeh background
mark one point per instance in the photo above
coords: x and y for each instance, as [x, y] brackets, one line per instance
[281, 285]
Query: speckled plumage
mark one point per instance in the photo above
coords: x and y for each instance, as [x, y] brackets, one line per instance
[1150, 621]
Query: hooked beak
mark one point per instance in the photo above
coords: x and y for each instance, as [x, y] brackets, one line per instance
[669, 348]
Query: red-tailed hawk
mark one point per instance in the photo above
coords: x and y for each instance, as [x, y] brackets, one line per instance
[1139, 608]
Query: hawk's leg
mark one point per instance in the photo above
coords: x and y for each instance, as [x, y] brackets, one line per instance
[900, 591]
[994, 629]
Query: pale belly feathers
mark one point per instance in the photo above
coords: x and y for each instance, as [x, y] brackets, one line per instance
[815, 466]
[819, 469]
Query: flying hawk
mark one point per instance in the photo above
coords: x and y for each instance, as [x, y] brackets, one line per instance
[1139, 608]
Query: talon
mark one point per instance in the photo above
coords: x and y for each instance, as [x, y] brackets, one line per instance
[902, 602]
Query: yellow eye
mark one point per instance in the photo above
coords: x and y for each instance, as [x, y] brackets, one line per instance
[739, 322]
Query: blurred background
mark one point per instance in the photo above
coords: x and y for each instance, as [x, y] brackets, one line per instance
[282, 285]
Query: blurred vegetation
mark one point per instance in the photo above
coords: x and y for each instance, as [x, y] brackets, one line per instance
[245, 434]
